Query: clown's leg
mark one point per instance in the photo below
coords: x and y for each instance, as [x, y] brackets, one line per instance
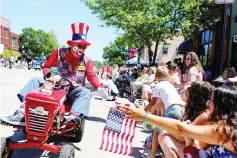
[80, 97]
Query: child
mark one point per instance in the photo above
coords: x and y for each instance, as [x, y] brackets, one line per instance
[110, 84]
[167, 93]
[174, 76]
[171, 105]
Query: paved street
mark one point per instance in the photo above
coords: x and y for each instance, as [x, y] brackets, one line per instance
[11, 81]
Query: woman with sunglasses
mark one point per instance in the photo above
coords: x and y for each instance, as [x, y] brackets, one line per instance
[220, 132]
[193, 72]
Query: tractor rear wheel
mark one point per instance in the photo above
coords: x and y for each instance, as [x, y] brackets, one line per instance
[80, 132]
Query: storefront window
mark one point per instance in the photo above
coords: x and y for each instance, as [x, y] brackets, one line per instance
[206, 44]
[207, 37]
[211, 34]
[165, 49]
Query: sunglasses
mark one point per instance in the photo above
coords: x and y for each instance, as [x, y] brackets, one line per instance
[232, 83]
[188, 59]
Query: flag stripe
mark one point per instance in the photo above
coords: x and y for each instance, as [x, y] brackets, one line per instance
[77, 28]
[111, 141]
[115, 142]
[87, 28]
[73, 28]
[131, 136]
[81, 28]
[103, 140]
[127, 136]
[120, 138]
[123, 136]
[107, 142]
[84, 29]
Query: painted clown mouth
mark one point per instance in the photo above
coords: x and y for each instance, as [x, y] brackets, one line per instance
[80, 53]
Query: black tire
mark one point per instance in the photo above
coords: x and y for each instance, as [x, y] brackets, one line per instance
[67, 151]
[4, 143]
[80, 132]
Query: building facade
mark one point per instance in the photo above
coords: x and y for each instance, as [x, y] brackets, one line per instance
[9, 39]
[212, 46]
[232, 53]
[166, 51]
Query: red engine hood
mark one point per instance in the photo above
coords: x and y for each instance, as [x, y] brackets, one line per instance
[58, 96]
[40, 111]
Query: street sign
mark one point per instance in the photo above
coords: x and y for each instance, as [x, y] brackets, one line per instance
[224, 1]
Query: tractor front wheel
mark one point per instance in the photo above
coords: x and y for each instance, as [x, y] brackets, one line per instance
[67, 151]
[5, 151]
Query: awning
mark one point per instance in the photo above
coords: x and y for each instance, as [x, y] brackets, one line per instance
[185, 46]
[131, 61]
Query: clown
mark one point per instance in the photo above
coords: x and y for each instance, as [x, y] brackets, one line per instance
[72, 64]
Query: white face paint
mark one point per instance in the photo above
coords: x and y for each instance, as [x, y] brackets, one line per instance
[76, 49]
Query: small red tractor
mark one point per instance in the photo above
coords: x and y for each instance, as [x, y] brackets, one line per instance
[44, 117]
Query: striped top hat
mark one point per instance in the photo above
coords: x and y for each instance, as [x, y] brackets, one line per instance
[79, 34]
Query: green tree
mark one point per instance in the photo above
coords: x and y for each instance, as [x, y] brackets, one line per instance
[152, 20]
[146, 21]
[116, 52]
[7, 53]
[50, 42]
[38, 42]
[204, 15]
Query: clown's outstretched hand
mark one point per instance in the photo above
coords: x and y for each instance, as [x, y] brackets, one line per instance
[102, 92]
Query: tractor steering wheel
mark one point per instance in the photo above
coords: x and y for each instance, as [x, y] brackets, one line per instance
[63, 83]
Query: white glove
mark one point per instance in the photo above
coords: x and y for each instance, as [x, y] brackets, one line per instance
[102, 92]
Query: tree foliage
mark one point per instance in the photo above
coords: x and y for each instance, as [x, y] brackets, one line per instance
[155, 20]
[116, 52]
[7, 53]
[206, 15]
[38, 42]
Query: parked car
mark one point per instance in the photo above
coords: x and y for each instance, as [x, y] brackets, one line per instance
[36, 64]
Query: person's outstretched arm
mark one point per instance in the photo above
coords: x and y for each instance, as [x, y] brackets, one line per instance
[205, 133]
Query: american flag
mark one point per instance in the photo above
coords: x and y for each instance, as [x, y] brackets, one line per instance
[118, 133]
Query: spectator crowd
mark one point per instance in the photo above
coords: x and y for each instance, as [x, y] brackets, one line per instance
[182, 91]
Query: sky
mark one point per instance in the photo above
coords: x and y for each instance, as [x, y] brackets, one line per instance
[58, 15]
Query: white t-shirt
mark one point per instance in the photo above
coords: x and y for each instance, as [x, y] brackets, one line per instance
[167, 93]
[110, 84]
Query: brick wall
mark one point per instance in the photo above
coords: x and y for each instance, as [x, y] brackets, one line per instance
[14, 40]
[9, 39]
[5, 36]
